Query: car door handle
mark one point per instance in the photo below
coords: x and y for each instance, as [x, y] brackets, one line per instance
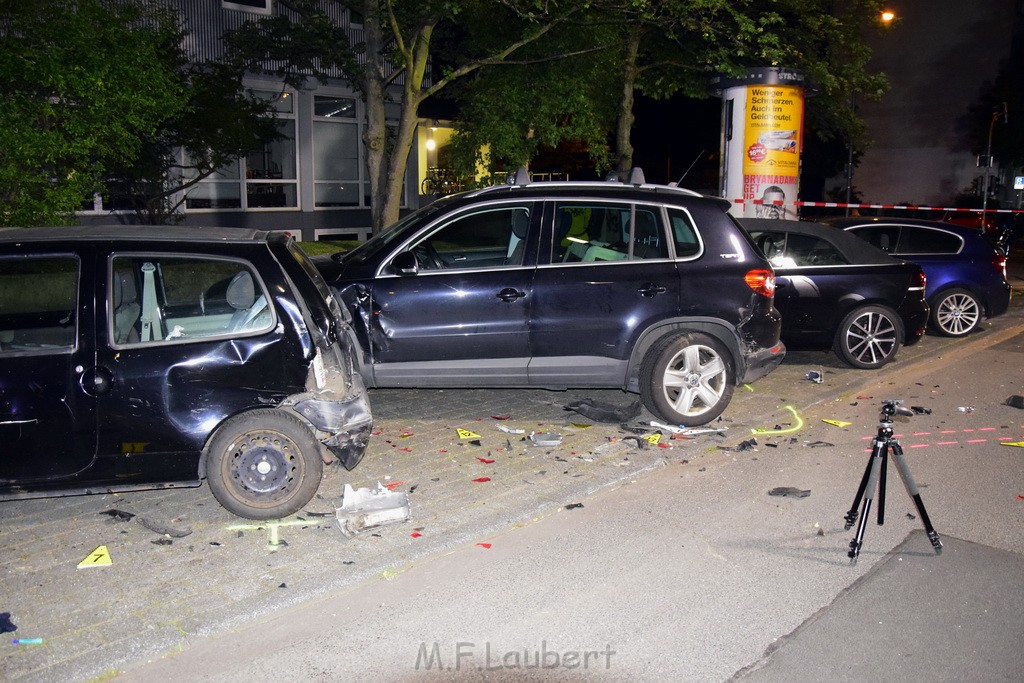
[651, 289]
[510, 294]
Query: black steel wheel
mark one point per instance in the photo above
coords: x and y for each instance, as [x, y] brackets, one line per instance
[264, 464]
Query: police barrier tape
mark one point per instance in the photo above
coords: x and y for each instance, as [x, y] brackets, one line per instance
[894, 207]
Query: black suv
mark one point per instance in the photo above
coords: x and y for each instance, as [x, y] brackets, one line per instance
[653, 289]
[141, 357]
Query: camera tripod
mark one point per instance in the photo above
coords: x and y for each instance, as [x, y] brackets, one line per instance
[875, 472]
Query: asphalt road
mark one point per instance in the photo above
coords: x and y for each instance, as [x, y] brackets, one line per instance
[698, 574]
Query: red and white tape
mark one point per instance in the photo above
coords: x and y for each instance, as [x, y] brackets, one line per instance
[893, 207]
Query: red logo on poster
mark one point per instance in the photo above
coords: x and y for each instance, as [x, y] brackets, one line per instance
[757, 152]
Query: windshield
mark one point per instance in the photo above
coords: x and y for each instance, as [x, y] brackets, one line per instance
[390, 234]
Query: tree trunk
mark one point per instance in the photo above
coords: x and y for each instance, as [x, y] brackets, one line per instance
[375, 135]
[623, 147]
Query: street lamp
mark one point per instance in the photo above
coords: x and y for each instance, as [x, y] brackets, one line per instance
[997, 113]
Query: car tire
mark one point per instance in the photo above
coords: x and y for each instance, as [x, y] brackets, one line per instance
[687, 379]
[869, 337]
[956, 313]
[263, 464]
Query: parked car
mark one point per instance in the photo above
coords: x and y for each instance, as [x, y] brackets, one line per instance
[966, 272]
[140, 357]
[835, 290]
[652, 289]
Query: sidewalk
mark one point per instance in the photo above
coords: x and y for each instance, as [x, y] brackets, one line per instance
[154, 599]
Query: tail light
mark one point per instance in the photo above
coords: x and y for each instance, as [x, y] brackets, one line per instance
[761, 280]
[918, 281]
[999, 262]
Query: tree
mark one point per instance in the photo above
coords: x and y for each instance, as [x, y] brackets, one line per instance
[86, 80]
[218, 123]
[395, 50]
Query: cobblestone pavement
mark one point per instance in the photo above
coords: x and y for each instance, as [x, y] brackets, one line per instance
[160, 593]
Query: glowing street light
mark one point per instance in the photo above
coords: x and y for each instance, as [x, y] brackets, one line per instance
[887, 16]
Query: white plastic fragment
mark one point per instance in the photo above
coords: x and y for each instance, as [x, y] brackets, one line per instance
[545, 439]
[688, 431]
[509, 430]
[363, 509]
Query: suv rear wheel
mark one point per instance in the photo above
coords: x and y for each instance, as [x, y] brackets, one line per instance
[264, 464]
[687, 379]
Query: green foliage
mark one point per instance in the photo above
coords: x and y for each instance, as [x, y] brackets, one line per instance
[86, 80]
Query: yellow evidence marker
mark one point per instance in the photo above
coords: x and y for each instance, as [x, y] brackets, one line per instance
[97, 558]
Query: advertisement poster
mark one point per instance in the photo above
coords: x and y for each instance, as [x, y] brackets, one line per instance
[773, 120]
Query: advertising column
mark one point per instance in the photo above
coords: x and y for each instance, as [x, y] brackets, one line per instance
[762, 116]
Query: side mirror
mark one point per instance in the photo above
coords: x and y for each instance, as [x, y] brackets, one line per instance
[405, 263]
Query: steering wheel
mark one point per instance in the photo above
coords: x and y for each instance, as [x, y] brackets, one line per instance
[427, 256]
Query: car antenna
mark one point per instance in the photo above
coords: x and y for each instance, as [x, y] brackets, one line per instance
[695, 160]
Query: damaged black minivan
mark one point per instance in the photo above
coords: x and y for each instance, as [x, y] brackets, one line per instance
[142, 357]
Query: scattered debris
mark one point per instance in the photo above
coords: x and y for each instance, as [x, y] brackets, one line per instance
[818, 444]
[119, 515]
[283, 585]
[486, 461]
[97, 558]
[966, 409]
[509, 430]
[415, 534]
[363, 509]
[501, 417]
[1015, 401]
[163, 529]
[789, 492]
[921, 410]
[573, 506]
[688, 431]
[163, 540]
[837, 423]
[778, 429]
[6, 625]
[481, 480]
[815, 376]
[27, 641]
[392, 485]
[748, 445]
[598, 411]
[545, 439]
[485, 546]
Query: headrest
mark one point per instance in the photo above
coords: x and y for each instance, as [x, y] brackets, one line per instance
[241, 293]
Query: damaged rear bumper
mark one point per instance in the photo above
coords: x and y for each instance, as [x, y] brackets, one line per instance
[759, 363]
[342, 426]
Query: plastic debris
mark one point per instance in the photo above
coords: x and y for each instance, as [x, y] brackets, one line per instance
[119, 515]
[392, 485]
[573, 506]
[364, 509]
[163, 529]
[27, 641]
[921, 410]
[688, 431]
[545, 439]
[599, 411]
[789, 492]
[486, 461]
[819, 444]
[501, 417]
[748, 445]
[480, 480]
[509, 430]
[485, 546]
[966, 409]
[1015, 401]
[6, 625]
[815, 376]
[163, 540]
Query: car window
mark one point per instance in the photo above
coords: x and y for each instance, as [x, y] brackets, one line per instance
[773, 246]
[683, 233]
[492, 237]
[178, 299]
[808, 250]
[606, 232]
[885, 237]
[38, 299]
[914, 240]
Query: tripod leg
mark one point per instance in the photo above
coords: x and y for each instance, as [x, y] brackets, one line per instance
[851, 516]
[908, 481]
[869, 488]
[881, 484]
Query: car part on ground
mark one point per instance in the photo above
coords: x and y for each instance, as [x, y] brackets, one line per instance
[137, 358]
[966, 270]
[648, 288]
[835, 291]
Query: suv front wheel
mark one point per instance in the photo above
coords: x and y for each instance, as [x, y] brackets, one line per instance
[687, 379]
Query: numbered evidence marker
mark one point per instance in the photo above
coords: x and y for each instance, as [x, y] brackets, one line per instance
[97, 558]
[466, 434]
[837, 423]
